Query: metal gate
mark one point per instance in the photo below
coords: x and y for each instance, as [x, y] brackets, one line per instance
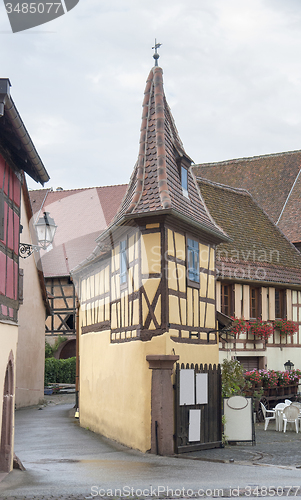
[198, 411]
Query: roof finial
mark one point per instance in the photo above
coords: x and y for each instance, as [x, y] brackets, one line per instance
[156, 55]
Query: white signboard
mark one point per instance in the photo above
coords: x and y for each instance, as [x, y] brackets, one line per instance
[238, 418]
[187, 387]
[202, 388]
[194, 433]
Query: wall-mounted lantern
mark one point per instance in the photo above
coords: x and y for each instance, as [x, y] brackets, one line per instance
[289, 365]
[45, 230]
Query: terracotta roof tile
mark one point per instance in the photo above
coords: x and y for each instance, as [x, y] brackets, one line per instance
[81, 215]
[155, 183]
[273, 180]
[258, 250]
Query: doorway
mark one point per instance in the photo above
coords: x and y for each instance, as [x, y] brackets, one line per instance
[6, 444]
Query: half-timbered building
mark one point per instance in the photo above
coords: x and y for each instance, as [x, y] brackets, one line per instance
[147, 292]
[17, 155]
[258, 276]
[80, 214]
[34, 307]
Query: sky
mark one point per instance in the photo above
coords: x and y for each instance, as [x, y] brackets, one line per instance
[231, 69]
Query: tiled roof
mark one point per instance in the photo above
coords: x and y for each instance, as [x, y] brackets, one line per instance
[259, 250]
[81, 215]
[155, 185]
[273, 180]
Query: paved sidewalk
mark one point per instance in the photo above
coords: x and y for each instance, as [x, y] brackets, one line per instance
[64, 461]
[271, 448]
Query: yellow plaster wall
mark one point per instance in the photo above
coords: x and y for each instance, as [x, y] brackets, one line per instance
[151, 253]
[8, 343]
[115, 383]
[218, 296]
[115, 387]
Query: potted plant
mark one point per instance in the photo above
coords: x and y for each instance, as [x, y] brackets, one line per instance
[239, 325]
[261, 329]
[286, 327]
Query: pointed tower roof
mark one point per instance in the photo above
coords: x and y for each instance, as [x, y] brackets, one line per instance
[155, 186]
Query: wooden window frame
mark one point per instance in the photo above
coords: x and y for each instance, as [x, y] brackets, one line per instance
[281, 302]
[257, 299]
[226, 309]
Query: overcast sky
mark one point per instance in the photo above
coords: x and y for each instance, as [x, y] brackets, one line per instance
[232, 77]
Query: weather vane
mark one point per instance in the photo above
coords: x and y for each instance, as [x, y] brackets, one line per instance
[156, 55]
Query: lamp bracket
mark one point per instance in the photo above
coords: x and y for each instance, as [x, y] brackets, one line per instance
[26, 250]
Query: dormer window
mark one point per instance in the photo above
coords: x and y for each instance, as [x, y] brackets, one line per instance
[184, 181]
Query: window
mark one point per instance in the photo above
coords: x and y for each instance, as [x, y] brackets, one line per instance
[226, 299]
[279, 303]
[193, 260]
[254, 303]
[123, 262]
[184, 181]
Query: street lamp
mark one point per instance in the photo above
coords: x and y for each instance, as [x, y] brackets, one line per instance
[289, 365]
[45, 230]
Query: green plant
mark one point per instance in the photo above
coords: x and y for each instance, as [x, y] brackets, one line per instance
[58, 342]
[286, 327]
[48, 350]
[60, 371]
[233, 380]
[224, 437]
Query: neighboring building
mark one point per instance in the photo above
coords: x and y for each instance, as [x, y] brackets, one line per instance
[258, 276]
[34, 308]
[17, 155]
[80, 214]
[147, 293]
[273, 180]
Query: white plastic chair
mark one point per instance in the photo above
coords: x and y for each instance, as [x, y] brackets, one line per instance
[266, 417]
[279, 415]
[290, 415]
[298, 405]
[287, 402]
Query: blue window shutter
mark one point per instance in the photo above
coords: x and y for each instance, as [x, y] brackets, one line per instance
[123, 264]
[193, 260]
